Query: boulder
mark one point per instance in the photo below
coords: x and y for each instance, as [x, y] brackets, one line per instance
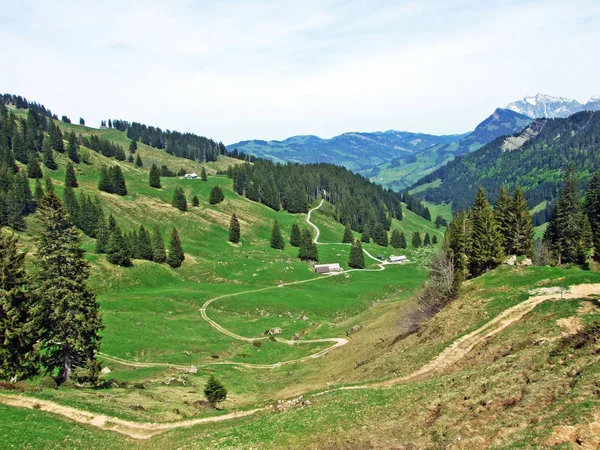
[353, 330]
[105, 371]
[286, 405]
[526, 262]
[511, 260]
[275, 331]
[193, 369]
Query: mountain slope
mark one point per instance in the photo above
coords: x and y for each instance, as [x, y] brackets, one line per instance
[402, 172]
[355, 151]
[534, 158]
[542, 105]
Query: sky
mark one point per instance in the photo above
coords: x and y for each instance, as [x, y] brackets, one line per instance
[234, 70]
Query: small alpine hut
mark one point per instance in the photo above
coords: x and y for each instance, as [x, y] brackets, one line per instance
[398, 259]
[191, 176]
[327, 268]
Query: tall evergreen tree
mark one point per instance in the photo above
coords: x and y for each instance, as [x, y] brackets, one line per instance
[214, 391]
[522, 227]
[276, 237]
[195, 201]
[33, 167]
[295, 236]
[73, 148]
[39, 191]
[71, 205]
[487, 242]
[366, 235]
[133, 146]
[234, 229]
[348, 237]
[144, 245]
[176, 255]
[138, 161]
[49, 184]
[70, 178]
[396, 240]
[47, 156]
[434, 240]
[179, 200]
[592, 209]
[102, 237]
[380, 236]
[357, 258]
[203, 175]
[117, 250]
[17, 354]
[18, 147]
[427, 240]
[308, 249]
[416, 240]
[504, 212]
[154, 177]
[216, 195]
[587, 241]
[402, 240]
[458, 243]
[159, 254]
[67, 311]
[118, 181]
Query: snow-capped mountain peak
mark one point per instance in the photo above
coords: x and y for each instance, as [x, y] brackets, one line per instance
[542, 105]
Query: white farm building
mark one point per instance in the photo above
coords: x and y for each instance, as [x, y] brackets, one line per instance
[398, 259]
[191, 176]
[328, 268]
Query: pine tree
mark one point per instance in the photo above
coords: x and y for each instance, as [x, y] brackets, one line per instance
[396, 240]
[17, 354]
[73, 148]
[308, 249]
[67, 309]
[104, 183]
[154, 177]
[144, 245]
[216, 195]
[102, 237]
[33, 167]
[176, 255]
[133, 147]
[458, 243]
[276, 237]
[348, 237]
[214, 391]
[487, 242]
[427, 240]
[234, 229]
[402, 240]
[203, 175]
[504, 212]
[39, 191]
[138, 161]
[366, 235]
[71, 205]
[357, 257]
[416, 240]
[380, 236]
[195, 201]
[586, 243]
[179, 200]
[49, 184]
[522, 226]
[117, 250]
[47, 156]
[159, 254]
[295, 236]
[70, 178]
[18, 147]
[118, 181]
[592, 209]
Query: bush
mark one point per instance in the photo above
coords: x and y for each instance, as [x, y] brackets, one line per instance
[47, 383]
[257, 344]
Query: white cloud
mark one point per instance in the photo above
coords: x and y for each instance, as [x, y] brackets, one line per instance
[236, 69]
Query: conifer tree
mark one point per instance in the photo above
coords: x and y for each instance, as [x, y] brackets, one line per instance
[47, 156]
[18, 147]
[73, 148]
[112, 223]
[234, 229]
[522, 227]
[104, 183]
[348, 237]
[117, 250]
[308, 249]
[366, 235]
[504, 212]
[67, 309]
[380, 236]
[33, 167]
[203, 175]
[159, 254]
[427, 240]
[133, 146]
[214, 391]
[402, 240]
[154, 177]
[357, 258]
[17, 354]
[102, 237]
[118, 181]
[70, 178]
[195, 201]
[434, 240]
[592, 209]
[395, 240]
[176, 255]
[587, 242]
[458, 243]
[416, 240]
[138, 161]
[276, 237]
[71, 205]
[216, 195]
[144, 245]
[487, 242]
[49, 184]
[39, 191]
[295, 236]
[179, 200]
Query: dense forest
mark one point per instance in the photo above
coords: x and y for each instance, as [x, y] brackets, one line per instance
[537, 166]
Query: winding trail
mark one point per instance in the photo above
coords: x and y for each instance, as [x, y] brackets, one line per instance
[441, 363]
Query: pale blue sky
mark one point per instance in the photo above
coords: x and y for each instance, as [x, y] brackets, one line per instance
[234, 70]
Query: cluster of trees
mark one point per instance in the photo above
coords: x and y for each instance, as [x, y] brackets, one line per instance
[112, 180]
[51, 320]
[216, 195]
[23, 103]
[415, 205]
[103, 146]
[538, 165]
[292, 187]
[478, 240]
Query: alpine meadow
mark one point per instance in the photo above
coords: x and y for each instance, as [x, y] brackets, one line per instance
[428, 289]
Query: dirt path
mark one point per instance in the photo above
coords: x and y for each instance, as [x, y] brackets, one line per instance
[450, 356]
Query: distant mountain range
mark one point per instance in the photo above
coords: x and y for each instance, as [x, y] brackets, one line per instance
[397, 159]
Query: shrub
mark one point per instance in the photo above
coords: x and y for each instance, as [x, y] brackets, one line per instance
[47, 383]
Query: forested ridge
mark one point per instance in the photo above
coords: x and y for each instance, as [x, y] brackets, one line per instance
[537, 166]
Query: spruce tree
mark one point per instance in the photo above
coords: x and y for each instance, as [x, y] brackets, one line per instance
[427, 240]
[104, 183]
[586, 243]
[47, 156]
[234, 229]
[416, 240]
[18, 147]
[357, 257]
[522, 227]
[458, 243]
[179, 200]
[216, 195]
[487, 242]
[70, 178]
[504, 212]
[295, 236]
[348, 237]
[366, 235]
[159, 254]
[17, 354]
[203, 175]
[117, 250]
[133, 147]
[118, 181]
[144, 245]
[176, 255]
[434, 240]
[195, 201]
[402, 240]
[592, 209]
[380, 236]
[71, 205]
[67, 308]
[395, 240]
[38, 193]
[49, 184]
[276, 237]
[73, 148]
[154, 177]
[102, 237]
[138, 161]
[308, 249]
[214, 391]
[33, 167]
